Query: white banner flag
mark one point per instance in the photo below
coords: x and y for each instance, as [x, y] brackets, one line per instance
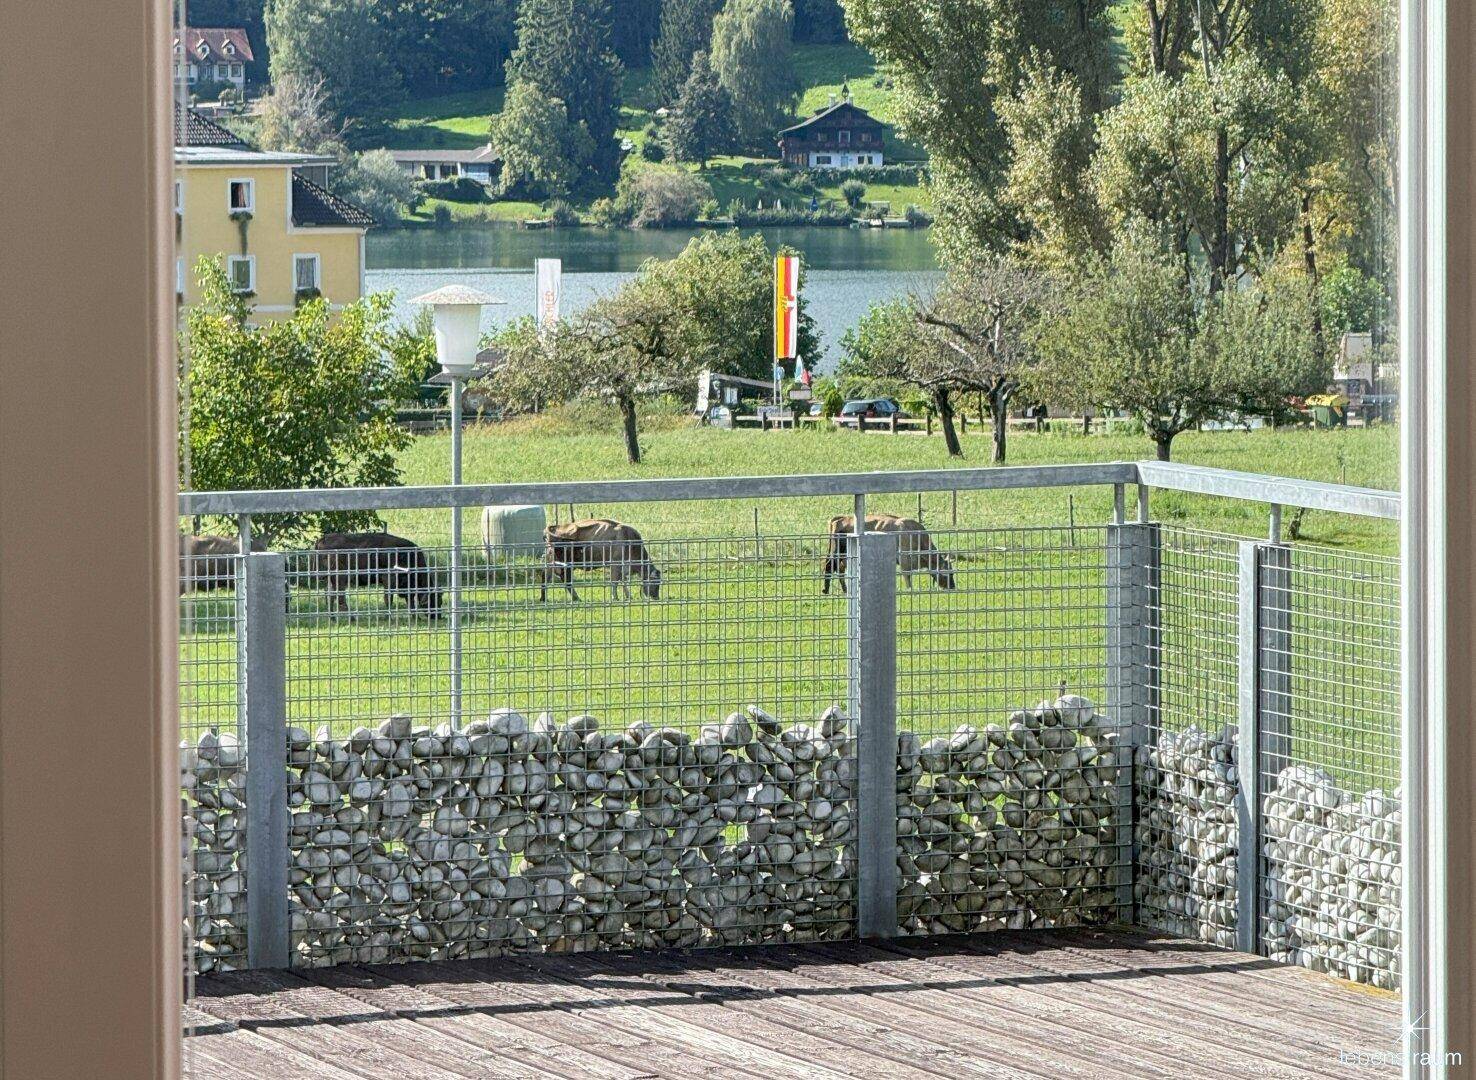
[550, 286]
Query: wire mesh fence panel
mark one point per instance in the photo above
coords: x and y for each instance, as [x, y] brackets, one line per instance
[1007, 774]
[1186, 836]
[1330, 766]
[212, 762]
[655, 751]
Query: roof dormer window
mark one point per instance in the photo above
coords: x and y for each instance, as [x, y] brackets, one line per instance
[203, 50]
[230, 48]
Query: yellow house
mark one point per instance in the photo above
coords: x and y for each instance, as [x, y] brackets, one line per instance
[280, 234]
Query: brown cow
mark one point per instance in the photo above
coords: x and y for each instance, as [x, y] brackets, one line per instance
[590, 544]
[207, 563]
[915, 549]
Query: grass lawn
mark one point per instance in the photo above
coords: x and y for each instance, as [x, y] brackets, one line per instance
[741, 617]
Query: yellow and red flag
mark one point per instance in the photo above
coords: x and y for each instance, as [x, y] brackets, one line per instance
[786, 307]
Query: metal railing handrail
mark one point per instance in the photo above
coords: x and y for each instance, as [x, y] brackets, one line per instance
[1168, 476]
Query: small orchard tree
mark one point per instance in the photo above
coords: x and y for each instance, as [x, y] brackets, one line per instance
[307, 401]
[972, 336]
[620, 347]
[1140, 334]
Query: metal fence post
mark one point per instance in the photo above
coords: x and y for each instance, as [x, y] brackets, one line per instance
[1264, 736]
[1133, 559]
[873, 656]
[268, 927]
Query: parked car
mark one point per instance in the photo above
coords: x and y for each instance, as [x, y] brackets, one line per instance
[872, 408]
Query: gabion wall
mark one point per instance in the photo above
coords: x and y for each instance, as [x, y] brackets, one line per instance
[409, 843]
[1011, 826]
[213, 785]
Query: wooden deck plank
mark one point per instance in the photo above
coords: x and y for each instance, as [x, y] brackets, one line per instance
[1293, 985]
[258, 1001]
[244, 1053]
[1011, 1032]
[746, 991]
[1200, 1038]
[1071, 1004]
[1094, 1028]
[681, 1017]
[514, 995]
[804, 1035]
[519, 1052]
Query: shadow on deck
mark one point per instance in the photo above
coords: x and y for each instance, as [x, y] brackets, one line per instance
[1040, 1004]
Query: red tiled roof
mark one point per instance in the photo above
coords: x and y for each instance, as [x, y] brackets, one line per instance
[215, 39]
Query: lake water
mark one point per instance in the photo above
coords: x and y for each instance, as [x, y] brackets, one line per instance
[847, 270]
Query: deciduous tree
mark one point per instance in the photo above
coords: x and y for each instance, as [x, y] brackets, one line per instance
[302, 402]
[338, 42]
[752, 55]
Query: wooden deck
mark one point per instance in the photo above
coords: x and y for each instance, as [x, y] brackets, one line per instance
[1050, 1005]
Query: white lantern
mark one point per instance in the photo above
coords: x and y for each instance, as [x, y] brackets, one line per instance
[457, 311]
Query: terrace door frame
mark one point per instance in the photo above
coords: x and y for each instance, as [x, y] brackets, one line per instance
[1438, 471]
[90, 938]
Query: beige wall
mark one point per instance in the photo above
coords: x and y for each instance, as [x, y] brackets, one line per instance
[270, 236]
[90, 925]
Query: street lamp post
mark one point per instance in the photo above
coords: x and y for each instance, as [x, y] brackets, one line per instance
[457, 312]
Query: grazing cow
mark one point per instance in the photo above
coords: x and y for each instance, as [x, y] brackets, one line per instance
[207, 563]
[377, 558]
[915, 549]
[588, 545]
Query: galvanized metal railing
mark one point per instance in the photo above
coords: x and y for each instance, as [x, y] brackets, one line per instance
[1116, 570]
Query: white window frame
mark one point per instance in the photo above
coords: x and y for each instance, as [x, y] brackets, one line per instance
[194, 72]
[233, 261]
[179, 275]
[250, 207]
[237, 71]
[179, 195]
[317, 261]
[222, 71]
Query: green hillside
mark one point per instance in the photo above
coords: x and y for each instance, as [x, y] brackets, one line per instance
[460, 121]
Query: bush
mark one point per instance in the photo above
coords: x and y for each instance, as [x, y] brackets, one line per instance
[605, 213]
[653, 149]
[917, 217]
[562, 214]
[457, 189]
[375, 181]
[441, 216]
[710, 210]
[853, 191]
[658, 198]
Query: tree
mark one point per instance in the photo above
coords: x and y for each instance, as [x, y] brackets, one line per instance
[721, 287]
[338, 42]
[620, 347]
[819, 21]
[751, 53]
[437, 44]
[542, 151]
[853, 191]
[306, 401]
[971, 336]
[564, 52]
[701, 124]
[952, 61]
[636, 24]
[1351, 301]
[685, 30]
[657, 197]
[1135, 334]
[375, 181]
[295, 116]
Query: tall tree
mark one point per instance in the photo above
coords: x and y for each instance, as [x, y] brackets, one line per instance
[685, 30]
[636, 23]
[752, 55]
[819, 21]
[338, 42]
[701, 124]
[542, 152]
[952, 61]
[437, 45]
[564, 50]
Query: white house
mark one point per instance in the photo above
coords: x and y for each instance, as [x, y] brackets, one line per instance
[217, 54]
